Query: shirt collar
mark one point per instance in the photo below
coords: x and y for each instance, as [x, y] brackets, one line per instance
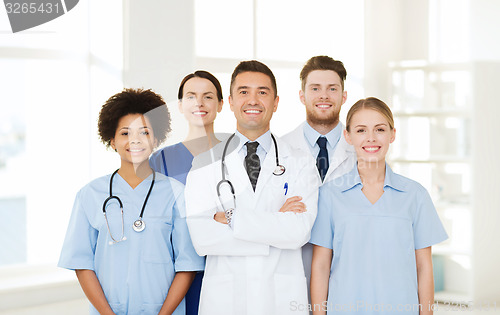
[352, 179]
[332, 137]
[264, 140]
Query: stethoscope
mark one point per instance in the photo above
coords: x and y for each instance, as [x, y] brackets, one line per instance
[139, 225]
[278, 171]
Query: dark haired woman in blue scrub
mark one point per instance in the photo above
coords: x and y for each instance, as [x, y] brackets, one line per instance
[200, 99]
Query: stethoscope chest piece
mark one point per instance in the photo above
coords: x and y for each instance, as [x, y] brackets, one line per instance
[139, 225]
[279, 170]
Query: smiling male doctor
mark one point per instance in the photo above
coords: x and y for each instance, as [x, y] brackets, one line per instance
[254, 263]
[321, 135]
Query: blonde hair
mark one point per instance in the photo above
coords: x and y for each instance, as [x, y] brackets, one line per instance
[370, 103]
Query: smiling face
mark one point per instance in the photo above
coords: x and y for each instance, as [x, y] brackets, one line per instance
[253, 102]
[199, 102]
[370, 134]
[323, 97]
[134, 139]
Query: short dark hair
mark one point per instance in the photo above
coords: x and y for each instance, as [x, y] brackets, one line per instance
[323, 63]
[253, 66]
[201, 74]
[134, 101]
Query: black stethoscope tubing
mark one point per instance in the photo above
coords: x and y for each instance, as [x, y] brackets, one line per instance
[139, 224]
[279, 170]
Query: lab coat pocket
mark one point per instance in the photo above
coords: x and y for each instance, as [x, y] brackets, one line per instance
[157, 243]
[278, 189]
[217, 295]
[291, 294]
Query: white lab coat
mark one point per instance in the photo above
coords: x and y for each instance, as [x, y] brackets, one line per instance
[255, 267]
[341, 162]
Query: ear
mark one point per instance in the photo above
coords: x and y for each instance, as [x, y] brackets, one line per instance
[347, 137]
[393, 137]
[112, 144]
[344, 97]
[179, 104]
[302, 97]
[276, 101]
[219, 106]
[230, 100]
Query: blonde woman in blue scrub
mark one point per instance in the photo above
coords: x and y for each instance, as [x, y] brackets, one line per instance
[127, 238]
[374, 231]
[200, 100]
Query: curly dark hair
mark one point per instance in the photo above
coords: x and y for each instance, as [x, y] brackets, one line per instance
[134, 101]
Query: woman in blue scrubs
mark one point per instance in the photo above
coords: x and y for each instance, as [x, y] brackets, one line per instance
[200, 99]
[125, 267]
[374, 230]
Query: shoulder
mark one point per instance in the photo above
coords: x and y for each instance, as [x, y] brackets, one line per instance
[410, 186]
[214, 154]
[169, 183]
[292, 137]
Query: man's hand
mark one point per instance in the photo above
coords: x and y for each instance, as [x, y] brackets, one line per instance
[220, 217]
[294, 204]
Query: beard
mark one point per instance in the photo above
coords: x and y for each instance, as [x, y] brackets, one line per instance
[327, 119]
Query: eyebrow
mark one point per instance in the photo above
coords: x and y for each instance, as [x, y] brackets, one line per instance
[244, 87]
[382, 124]
[142, 127]
[204, 93]
[318, 84]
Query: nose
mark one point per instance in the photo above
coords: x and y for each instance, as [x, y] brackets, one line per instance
[134, 137]
[370, 136]
[252, 99]
[199, 101]
[324, 94]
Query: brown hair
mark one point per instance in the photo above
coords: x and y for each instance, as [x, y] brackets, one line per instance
[373, 104]
[253, 66]
[323, 63]
[204, 75]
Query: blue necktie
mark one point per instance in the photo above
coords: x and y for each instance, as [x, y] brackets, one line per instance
[322, 162]
[252, 163]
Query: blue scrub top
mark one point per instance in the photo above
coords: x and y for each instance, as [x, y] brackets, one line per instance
[134, 274]
[373, 269]
[176, 161]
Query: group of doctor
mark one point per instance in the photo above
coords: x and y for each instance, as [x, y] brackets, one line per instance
[314, 221]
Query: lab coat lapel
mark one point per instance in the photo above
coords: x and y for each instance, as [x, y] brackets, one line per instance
[266, 170]
[237, 173]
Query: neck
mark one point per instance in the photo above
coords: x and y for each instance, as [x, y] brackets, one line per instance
[323, 128]
[371, 172]
[200, 139]
[251, 134]
[133, 174]
[196, 132]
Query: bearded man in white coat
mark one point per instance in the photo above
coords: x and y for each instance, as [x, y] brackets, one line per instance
[321, 135]
[252, 241]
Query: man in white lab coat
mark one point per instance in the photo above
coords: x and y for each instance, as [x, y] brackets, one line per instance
[252, 242]
[321, 135]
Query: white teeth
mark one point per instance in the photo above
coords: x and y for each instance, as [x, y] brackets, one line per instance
[324, 106]
[135, 150]
[199, 113]
[372, 149]
[252, 111]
